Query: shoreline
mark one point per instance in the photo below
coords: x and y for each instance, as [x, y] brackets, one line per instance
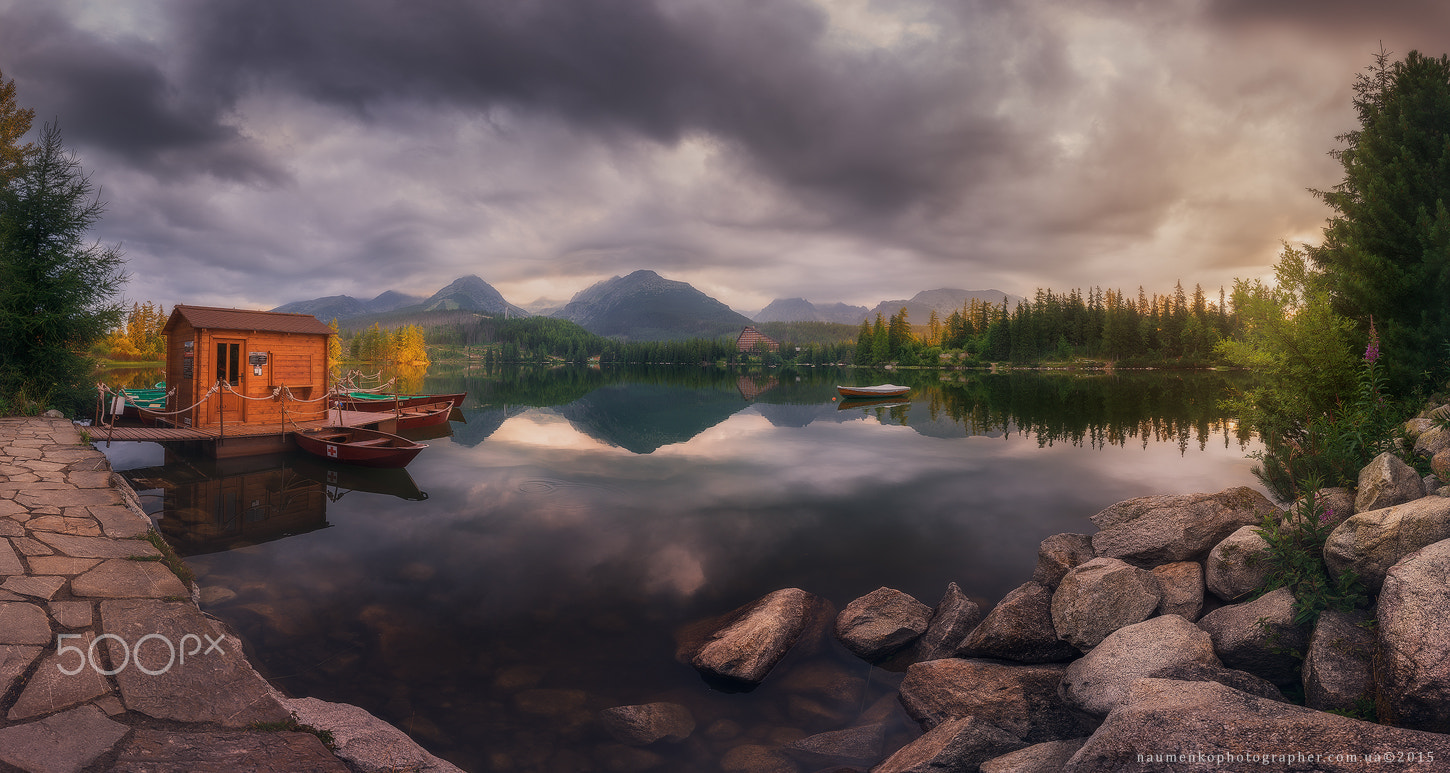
[106, 657]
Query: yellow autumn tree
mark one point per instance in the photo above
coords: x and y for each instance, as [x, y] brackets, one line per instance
[334, 344]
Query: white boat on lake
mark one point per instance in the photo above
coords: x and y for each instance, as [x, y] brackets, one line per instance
[880, 390]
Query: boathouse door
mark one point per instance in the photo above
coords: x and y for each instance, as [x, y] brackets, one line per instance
[228, 369]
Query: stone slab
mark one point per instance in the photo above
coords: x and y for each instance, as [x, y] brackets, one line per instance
[64, 566]
[214, 684]
[9, 562]
[51, 688]
[159, 751]
[29, 546]
[68, 497]
[120, 578]
[86, 527]
[63, 743]
[41, 587]
[89, 478]
[23, 623]
[97, 547]
[120, 521]
[72, 614]
[15, 660]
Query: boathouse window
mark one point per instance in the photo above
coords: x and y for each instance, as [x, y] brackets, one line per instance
[229, 363]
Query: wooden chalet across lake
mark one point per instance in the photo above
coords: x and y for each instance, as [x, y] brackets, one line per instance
[752, 340]
[252, 352]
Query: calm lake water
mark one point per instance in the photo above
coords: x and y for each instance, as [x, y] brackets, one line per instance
[532, 568]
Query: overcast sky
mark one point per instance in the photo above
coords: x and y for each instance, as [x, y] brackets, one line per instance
[255, 152]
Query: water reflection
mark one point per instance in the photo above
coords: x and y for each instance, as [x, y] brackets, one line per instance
[581, 517]
[211, 505]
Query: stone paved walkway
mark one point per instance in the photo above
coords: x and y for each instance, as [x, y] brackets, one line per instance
[107, 663]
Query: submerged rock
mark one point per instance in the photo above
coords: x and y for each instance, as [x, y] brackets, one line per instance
[745, 644]
[956, 744]
[862, 746]
[647, 723]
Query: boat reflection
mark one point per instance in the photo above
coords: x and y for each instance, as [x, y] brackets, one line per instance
[341, 479]
[849, 403]
[214, 505]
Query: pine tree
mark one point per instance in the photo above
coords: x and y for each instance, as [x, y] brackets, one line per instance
[1386, 251]
[56, 290]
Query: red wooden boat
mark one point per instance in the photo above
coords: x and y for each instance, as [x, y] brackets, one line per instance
[430, 415]
[355, 445]
[366, 401]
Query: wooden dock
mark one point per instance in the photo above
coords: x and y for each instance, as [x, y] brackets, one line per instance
[231, 440]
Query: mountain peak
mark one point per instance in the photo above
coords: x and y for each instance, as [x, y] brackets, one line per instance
[647, 307]
[471, 293]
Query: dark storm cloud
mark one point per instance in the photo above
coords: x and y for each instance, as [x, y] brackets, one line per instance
[111, 95]
[880, 132]
[833, 149]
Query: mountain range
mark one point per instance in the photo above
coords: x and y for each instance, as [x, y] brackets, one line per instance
[642, 306]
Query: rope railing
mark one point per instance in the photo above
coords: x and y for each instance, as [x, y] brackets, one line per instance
[281, 393]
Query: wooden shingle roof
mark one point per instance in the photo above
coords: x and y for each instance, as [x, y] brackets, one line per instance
[210, 318]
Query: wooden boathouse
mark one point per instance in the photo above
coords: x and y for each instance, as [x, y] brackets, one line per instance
[243, 381]
[246, 354]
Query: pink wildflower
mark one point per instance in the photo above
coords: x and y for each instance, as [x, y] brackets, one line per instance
[1372, 352]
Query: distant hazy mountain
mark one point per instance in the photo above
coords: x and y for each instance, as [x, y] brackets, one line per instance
[470, 293]
[544, 307]
[802, 310]
[392, 300]
[647, 307]
[944, 301]
[333, 306]
[467, 293]
[346, 307]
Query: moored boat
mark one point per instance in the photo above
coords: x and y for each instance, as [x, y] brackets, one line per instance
[371, 402]
[430, 415]
[356, 445]
[880, 390]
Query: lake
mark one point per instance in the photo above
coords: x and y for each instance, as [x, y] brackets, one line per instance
[532, 568]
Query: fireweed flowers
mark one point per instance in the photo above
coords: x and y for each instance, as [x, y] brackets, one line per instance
[1372, 352]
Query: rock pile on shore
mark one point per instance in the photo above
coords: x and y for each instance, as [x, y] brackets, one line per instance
[1139, 647]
